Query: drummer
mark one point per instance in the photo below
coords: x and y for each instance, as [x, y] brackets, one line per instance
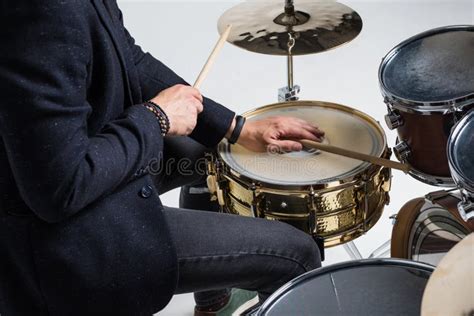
[82, 229]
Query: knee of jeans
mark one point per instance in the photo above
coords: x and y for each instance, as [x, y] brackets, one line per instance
[311, 253]
[308, 252]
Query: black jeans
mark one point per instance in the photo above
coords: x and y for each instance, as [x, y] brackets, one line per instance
[217, 251]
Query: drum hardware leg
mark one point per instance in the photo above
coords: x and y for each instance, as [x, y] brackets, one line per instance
[320, 242]
[352, 250]
[289, 93]
[382, 251]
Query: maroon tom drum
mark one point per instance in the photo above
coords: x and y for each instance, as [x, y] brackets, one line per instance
[427, 83]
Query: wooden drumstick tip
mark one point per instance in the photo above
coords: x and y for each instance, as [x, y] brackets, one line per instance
[212, 57]
[356, 155]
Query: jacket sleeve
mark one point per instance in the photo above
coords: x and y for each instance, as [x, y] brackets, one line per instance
[58, 168]
[215, 119]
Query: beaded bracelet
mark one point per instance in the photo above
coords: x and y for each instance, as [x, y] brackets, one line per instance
[161, 116]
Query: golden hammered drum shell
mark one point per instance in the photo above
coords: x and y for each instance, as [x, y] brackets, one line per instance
[325, 195]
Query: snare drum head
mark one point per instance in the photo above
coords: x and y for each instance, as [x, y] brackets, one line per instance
[365, 287]
[433, 66]
[344, 127]
[461, 152]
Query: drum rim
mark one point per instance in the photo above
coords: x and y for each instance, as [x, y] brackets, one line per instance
[437, 181]
[411, 211]
[337, 267]
[402, 226]
[419, 106]
[369, 168]
[456, 173]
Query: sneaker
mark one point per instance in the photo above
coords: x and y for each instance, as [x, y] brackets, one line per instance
[239, 302]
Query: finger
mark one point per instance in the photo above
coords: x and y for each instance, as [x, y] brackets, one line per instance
[286, 145]
[196, 93]
[310, 127]
[199, 107]
[298, 133]
[314, 130]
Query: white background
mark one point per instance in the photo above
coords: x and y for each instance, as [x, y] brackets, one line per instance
[182, 33]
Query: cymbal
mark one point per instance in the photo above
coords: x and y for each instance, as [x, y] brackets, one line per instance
[264, 26]
[450, 289]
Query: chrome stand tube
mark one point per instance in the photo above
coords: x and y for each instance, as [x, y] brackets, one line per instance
[352, 250]
[290, 92]
[382, 251]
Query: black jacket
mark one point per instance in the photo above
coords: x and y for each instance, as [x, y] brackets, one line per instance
[81, 228]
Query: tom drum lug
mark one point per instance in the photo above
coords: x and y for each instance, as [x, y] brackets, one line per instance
[466, 209]
[402, 151]
[393, 119]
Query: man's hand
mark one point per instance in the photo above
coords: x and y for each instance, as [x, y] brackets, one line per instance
[182, 104]
[279, 133]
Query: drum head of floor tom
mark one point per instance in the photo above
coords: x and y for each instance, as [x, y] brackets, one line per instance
[364, 287]
[431, 67]
[344, 127]
[461, 152]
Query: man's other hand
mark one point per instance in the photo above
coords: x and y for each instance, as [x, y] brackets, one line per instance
[182, 104]
[278, 133]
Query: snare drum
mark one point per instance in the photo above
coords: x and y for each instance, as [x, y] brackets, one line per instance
[427, 228]
[326, 195]
[461, 163]
[427, 82]
[365, 287]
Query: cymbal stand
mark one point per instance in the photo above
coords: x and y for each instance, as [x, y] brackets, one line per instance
[290, 92]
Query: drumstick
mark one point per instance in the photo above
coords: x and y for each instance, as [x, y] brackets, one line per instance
[356, 155]
[212, 57]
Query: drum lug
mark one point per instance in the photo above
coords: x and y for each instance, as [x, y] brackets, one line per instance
[387, 198]
[466, 209]
[393, 119]
[211, 176]
[221, 184]
[255, 201]
[214, 181]
[402, 151]
[313, 227]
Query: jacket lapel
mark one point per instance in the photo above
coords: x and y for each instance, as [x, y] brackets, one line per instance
[119, 41]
